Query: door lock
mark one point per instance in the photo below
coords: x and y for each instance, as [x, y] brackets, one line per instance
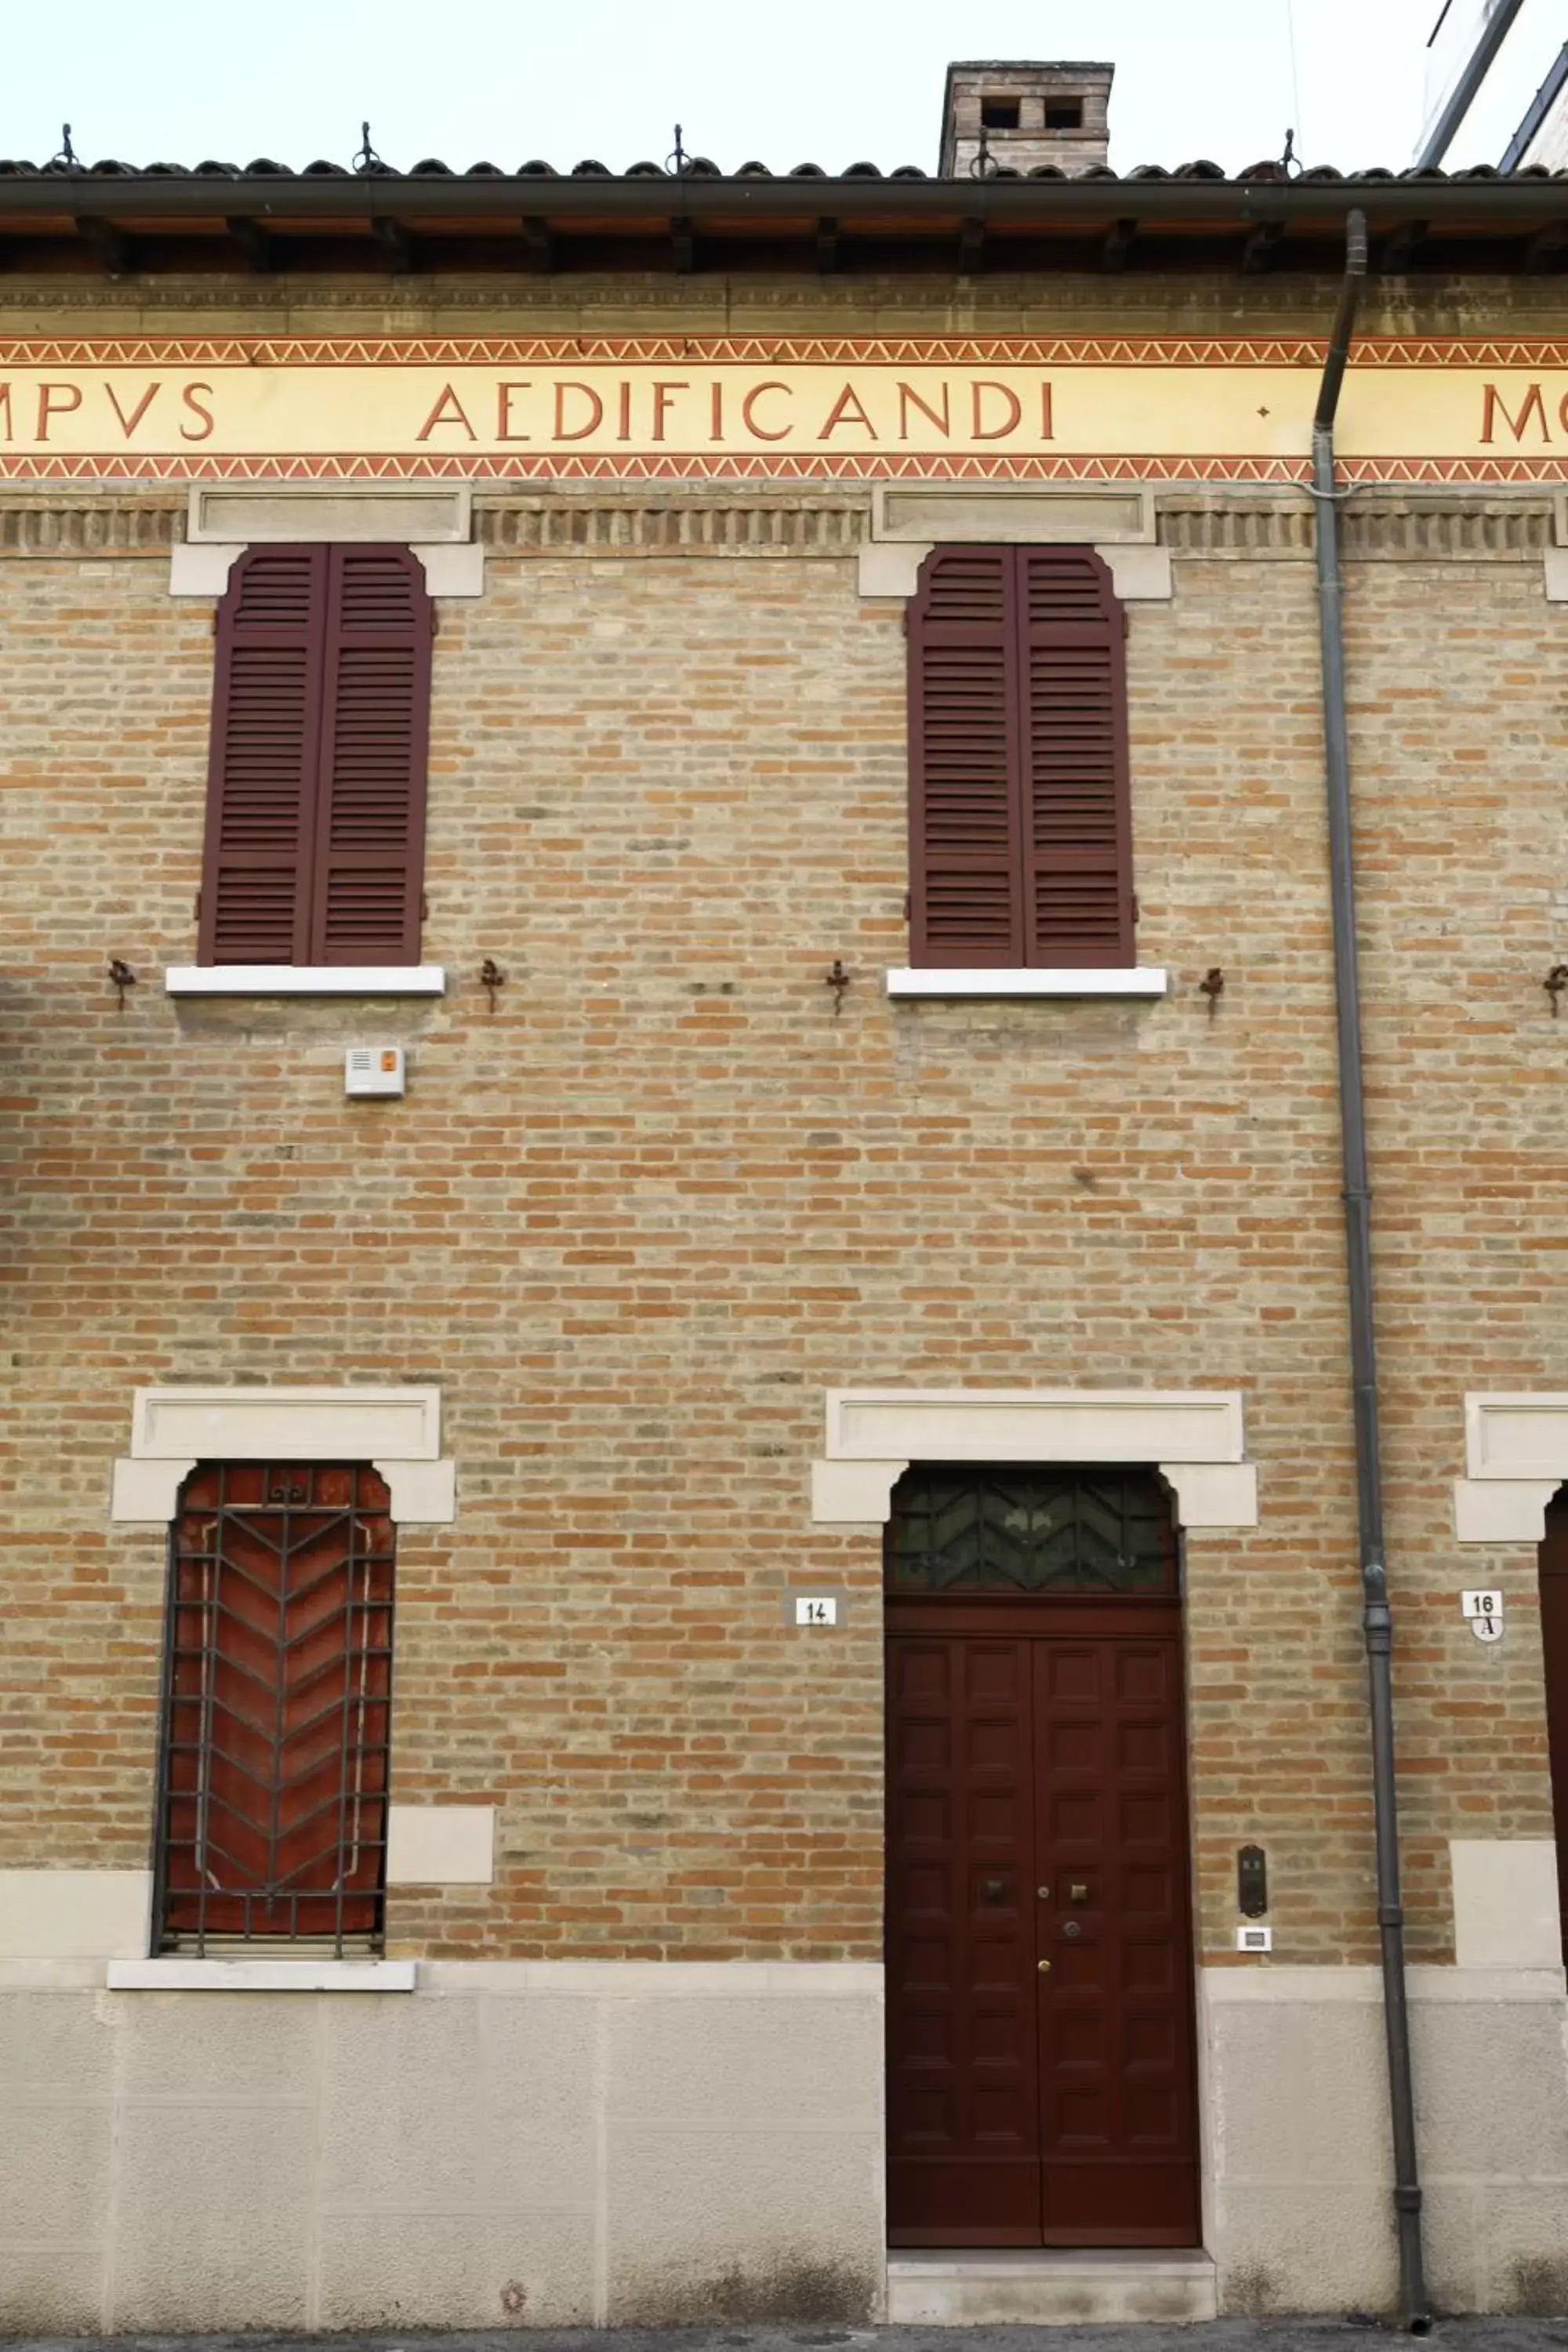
[1077, 1892]
[1044, 1893]
[1044, 1967]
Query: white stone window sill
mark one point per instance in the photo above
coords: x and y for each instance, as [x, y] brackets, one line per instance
[1142, 980]
[176, 1975]
[305, 980]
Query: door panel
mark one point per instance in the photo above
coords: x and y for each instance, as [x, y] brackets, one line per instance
[1037, 1813]
[1118, 2138]
[964, 2135]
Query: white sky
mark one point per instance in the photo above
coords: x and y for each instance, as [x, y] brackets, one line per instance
[829, 81]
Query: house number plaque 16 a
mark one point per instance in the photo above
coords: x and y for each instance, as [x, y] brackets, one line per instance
[1483, 1614]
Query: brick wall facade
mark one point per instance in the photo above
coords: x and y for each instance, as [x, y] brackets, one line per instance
[638, 1219]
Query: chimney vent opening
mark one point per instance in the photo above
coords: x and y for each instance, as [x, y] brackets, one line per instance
[1000, 113]
[1064, 114]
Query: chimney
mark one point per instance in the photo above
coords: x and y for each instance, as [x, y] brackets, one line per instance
[1026, 114]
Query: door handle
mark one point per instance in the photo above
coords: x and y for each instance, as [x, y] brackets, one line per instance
[1044, 1967]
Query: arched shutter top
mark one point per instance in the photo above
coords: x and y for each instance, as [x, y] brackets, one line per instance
[1020, 834]
[320, 741]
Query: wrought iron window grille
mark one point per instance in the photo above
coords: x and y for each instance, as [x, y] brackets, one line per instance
[273, 1770]
[969, 1527]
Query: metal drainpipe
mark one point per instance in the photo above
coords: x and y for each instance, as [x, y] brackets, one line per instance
[1376, 1620]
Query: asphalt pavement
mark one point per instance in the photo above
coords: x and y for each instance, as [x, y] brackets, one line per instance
[1330, 2334]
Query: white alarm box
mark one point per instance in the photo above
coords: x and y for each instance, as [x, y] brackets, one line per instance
[375, 1070]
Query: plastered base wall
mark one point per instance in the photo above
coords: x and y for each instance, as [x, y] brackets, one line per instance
[529, 2144]
[558, 2144]
[1297, 2141]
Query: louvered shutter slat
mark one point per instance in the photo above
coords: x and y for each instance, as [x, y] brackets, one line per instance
[966, 898]
[266, 699]
[376, 735]
[1073, 695]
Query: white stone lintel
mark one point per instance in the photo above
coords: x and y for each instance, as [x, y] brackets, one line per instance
[397, 1429]
[202, 571]
[147, 1491]
[1169, 1426]
[411, 514]
[1141, 575]
[1501, 1511]
[1101, 515]
[177, 1975]
[260, 1423]
[1214, 1493]
[455, 571]
[854, 1494]
[1044, 980]
[1517, 1433]
[424, 1493]
[305, 980]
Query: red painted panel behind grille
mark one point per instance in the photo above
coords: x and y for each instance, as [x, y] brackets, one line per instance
[273, 1811]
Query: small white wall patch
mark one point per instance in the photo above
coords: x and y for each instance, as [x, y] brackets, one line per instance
[1249, 1938]
[375, 1070]
[1483, 1613]
[816, 1609]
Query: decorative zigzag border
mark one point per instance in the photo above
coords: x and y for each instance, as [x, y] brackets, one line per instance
[908, 350]
[778, 468]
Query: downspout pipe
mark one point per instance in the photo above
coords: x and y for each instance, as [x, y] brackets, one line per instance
[1377, 1621]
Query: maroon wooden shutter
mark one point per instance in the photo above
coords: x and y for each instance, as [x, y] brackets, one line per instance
[261, 774]
[1077, 816]
[315, 839]
[375, 733]
[966, 866]
[1020, 836]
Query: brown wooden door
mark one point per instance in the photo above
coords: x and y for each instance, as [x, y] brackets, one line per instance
[1040, 2025]
[1554, 1649]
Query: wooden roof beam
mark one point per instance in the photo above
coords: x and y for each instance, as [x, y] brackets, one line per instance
[1548, 249]
[112, 245]
[1257, 253]
[396, 244]
[1117, 250]
[253, 242]
[1400, 247]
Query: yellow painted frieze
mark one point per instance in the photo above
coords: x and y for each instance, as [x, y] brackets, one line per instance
[1004, 408]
